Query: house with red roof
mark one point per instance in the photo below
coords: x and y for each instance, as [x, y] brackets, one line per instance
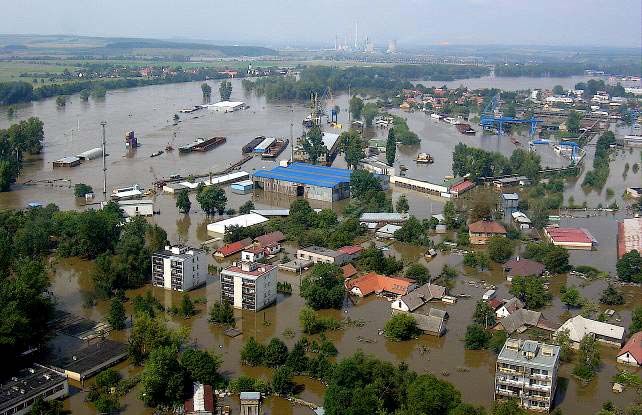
[460, 188]
[481, 231]
[570, 238]
[348, 271]
[351, 251]
[379, 284]
[631, 353]
[232, 248]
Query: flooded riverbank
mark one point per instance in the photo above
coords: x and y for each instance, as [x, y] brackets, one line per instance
[149, 112]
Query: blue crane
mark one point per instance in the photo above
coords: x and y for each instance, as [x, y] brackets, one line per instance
[489, 120]
[574, 148]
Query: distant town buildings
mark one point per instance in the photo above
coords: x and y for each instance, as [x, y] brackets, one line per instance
[526, 370]
[249, 285]
[179, 268]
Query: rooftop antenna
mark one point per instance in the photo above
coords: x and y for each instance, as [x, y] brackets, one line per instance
[104, 123]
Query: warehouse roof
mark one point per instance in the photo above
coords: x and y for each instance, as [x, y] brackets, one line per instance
[309, 174]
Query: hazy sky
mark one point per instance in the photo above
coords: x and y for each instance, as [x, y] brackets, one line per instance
[279, 22]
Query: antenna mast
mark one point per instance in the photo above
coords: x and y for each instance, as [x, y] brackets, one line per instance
[103, 123]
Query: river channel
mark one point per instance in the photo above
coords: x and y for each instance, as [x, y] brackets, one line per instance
[149, 111]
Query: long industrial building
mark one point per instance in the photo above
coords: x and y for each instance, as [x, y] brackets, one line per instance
[327, 184]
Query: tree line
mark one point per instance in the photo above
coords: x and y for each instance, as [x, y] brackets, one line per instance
[22, 138]
[481, 163]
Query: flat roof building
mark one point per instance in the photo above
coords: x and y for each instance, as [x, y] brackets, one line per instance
[318, 254]
[69, 161]
[578, 327]
[526, 370]
[179, 268]
[249, 285]
[243, 221]
[629, 236]
[570, 238]
[19, 393]
[327, 184]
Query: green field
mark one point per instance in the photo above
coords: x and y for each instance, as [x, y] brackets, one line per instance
[11, 70]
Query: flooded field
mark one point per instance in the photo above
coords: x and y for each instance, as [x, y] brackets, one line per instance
[149, 111]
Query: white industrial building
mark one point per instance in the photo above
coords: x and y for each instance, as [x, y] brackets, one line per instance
[179, 268]
[249, 285]
[227, 106]
[243, 221]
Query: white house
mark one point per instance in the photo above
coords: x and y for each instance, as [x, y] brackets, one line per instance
[631, 353]
[509, 307]
[578, 327]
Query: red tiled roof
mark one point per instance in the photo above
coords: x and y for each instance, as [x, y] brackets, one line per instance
[270, 238]
[486, 226]
[350, 249]
[348, 271]
[633, 347]
[376, 283]
[254, 249]
[578, 235]
[234, 247]
[523, 267]
[462, 187]
[495, 303]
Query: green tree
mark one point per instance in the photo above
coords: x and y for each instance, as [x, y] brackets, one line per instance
[323, 287]
[484, 314]
[276, 353]
[207, 90]
[573, 122]
[61, 101]
[369, 112]
[212, 200]
[467, 409]
[182, 201]
[571, 296]
[283, 381]
[401, 327]
[362, 183]
[497, 341]
[563, 340]
[450, 214]
[356, 107]
[117, 317]
[429, 395]
[252, 353]
[636, 320]
[81, 189]
[391, 147]
[500, 249]
[554, 258]
[588, 358]
[186, 308]
[413, 231]
[246, 207]
[297, 359]
[629, 267]
[508, 407]
[531, 291]
[313, 144]
[42, 407]
[225, 90]
[222, 313]
[150, 334]
[558, 90]
[476, 337]
[352, 148]
[312, 323]
[202, 366]
[163, 379]
[418, 272]
[84, 95]
[99, 92]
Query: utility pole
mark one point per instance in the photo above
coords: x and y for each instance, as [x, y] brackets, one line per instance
[291, 143]
[104, 123]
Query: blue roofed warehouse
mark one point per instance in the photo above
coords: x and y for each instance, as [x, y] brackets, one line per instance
[327, 184]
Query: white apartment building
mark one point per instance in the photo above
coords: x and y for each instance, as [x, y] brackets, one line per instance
[249, 285]
[526, 370]
[179, 268]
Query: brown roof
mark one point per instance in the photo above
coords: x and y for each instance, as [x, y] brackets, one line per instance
[523, 267]
[234, 247]
[420, 296]
[270, 238]
[633, 347]
[376, 283]
[495, 303]
[486, 226]
[348, 270]
[351, 249]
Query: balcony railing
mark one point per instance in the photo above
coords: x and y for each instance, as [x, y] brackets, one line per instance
[507, 392]
[505, 380]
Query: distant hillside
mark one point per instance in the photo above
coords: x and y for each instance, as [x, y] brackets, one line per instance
[162, 44]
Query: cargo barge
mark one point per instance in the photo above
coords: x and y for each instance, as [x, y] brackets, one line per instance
[275, 148]
[202, 144]
[249, 147]
[465, 129]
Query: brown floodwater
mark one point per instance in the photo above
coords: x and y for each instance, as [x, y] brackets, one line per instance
[149, 110]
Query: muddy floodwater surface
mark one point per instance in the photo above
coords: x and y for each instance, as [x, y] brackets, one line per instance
[149, 111]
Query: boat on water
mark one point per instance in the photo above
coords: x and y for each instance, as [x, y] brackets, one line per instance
[157, 153]
[249, 147]
[202, 144]
[125, 193]
[465, 128]
[275, 148]
[424, 158]
[450, 120]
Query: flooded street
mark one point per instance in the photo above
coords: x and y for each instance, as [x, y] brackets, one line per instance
[149, 111]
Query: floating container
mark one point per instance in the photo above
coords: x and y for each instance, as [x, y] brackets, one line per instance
[242, 187]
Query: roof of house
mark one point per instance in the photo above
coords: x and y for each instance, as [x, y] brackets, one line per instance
[520, 318]
[348, 270]
[270, 238]
[629, 236]
[513, 305]
[633, 347]
[318, 250]
[234, 247]
[510, 196]
[350, 249]
[579, 326]
[383, 217]
[577, 235]
[486, 226]
[523, 267]
[545, 355]
[389, 229]
[254, 396]
[309, 174]
[429, 323]
[436, 312]
[376, 283]
[495, 303]
[460, 187]
[421, 295]
[253, 249]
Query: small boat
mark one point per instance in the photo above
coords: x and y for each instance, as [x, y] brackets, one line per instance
[249, 147]
[124, 193]
[424, 158]
[157, 153]
[202, 145]
[275, 148]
